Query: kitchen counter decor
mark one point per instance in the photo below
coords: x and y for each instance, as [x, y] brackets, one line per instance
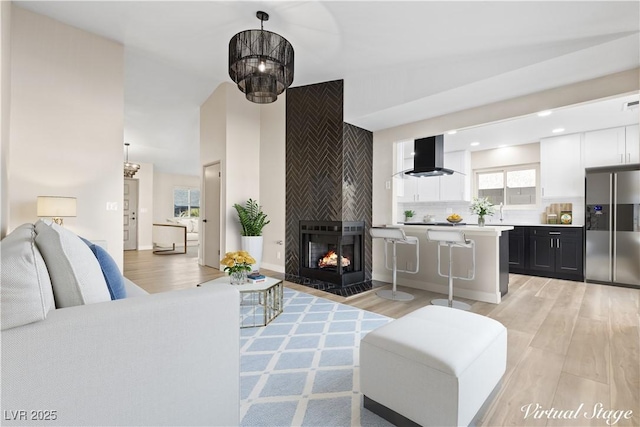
[481, 207]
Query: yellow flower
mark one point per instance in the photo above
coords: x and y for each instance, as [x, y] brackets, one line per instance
[239, 258]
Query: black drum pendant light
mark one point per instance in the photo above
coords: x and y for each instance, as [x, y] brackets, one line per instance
[261, 63]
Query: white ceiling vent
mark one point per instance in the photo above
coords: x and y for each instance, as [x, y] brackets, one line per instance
[631, 105]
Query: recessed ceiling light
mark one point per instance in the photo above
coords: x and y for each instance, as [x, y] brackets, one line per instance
[558, 130]
[474, 143]
[544, 113]
[452, 132]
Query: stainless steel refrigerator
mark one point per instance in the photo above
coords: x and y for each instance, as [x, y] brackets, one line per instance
[612, 226]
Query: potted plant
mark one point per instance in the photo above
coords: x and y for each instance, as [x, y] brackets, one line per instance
[252, 221]
[408, 214]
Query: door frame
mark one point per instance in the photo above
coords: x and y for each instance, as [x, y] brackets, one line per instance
[203, 213]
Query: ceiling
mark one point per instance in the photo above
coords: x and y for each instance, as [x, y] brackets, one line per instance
[401, 61]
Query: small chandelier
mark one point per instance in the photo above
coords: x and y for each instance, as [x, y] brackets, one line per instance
[130, 169]
[261, 63]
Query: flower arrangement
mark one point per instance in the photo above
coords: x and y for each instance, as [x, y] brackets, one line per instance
[481, 207]
[237, 264]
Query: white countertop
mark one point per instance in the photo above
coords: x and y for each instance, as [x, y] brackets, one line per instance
[470, 228]
[511, 224]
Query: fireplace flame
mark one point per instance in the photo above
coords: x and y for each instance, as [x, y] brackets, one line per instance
[330, 259]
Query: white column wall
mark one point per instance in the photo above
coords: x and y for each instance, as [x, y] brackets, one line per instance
[67, 120]
[242, 170]
[273, 181]
[5, 92]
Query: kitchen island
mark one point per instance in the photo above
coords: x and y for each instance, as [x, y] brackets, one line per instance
[492, 262]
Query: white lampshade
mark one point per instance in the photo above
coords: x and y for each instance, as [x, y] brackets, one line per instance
[56, 207]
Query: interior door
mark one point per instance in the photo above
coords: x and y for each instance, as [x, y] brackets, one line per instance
[130, 210]
[211, 218]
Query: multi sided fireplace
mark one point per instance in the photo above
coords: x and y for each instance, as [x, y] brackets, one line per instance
[332, 251]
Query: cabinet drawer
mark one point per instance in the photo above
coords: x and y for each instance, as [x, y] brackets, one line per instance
[557, 232]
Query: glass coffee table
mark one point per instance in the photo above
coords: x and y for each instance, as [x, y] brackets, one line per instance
[260, 303]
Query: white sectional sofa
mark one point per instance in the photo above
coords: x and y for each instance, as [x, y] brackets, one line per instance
[73, 356]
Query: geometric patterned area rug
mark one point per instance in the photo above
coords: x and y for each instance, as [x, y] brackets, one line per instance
[303, 368]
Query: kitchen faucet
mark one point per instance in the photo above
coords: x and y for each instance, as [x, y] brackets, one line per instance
[501, 213]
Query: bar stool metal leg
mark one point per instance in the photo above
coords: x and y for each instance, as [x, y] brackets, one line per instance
[392, 293]
[450, 302]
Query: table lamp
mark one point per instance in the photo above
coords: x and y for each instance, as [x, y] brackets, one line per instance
[56, 207]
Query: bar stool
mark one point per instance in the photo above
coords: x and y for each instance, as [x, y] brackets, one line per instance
[452, 238]
[395, 236]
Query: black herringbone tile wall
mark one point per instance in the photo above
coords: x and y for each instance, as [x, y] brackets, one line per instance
[357, 187]
[328, 165]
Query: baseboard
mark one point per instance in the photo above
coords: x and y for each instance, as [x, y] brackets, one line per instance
[145, 248]
[444, 289]
[275, 267]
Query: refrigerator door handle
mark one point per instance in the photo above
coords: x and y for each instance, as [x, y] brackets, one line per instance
[614, 218]
[611, 234]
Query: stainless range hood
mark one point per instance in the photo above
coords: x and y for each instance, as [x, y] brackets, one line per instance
[428, 159]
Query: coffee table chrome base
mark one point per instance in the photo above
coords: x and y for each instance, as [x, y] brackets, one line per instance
[394, 295]
[454, 304]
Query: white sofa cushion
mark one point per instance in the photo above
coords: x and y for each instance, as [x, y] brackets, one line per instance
[75, 273]
[26, 292]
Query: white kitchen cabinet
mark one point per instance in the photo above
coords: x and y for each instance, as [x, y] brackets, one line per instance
[561, 167]
[429, 188]
[456, 187]
[409, 183]
[608, 147]
[632, 144]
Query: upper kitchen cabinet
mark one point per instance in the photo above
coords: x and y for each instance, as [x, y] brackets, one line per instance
[633, 143]
[456, 187]
[561, 168]
[611, 147]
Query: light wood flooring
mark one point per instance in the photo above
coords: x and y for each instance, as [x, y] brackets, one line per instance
[569, 344]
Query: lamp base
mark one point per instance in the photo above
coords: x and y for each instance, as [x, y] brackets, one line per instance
[57, 220]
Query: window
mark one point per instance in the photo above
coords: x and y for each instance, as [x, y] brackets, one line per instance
[186, 202]
[511, 186]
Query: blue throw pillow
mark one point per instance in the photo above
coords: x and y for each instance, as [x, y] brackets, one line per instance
[110, 271]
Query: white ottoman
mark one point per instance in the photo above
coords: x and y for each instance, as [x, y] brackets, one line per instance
[435, 366]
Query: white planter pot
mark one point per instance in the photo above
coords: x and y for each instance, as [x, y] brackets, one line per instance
[253, 245]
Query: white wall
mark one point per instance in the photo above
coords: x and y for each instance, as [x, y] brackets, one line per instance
[230, 134]
[249, 142]
[163, 186]
[505, 156]
[67, 104]
[273, 181]
[5, 95]
[213, 131]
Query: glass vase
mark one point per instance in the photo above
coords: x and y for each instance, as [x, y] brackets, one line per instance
[480, 221]
[238, 277]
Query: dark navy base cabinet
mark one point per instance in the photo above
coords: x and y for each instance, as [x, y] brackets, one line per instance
[555, 252]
